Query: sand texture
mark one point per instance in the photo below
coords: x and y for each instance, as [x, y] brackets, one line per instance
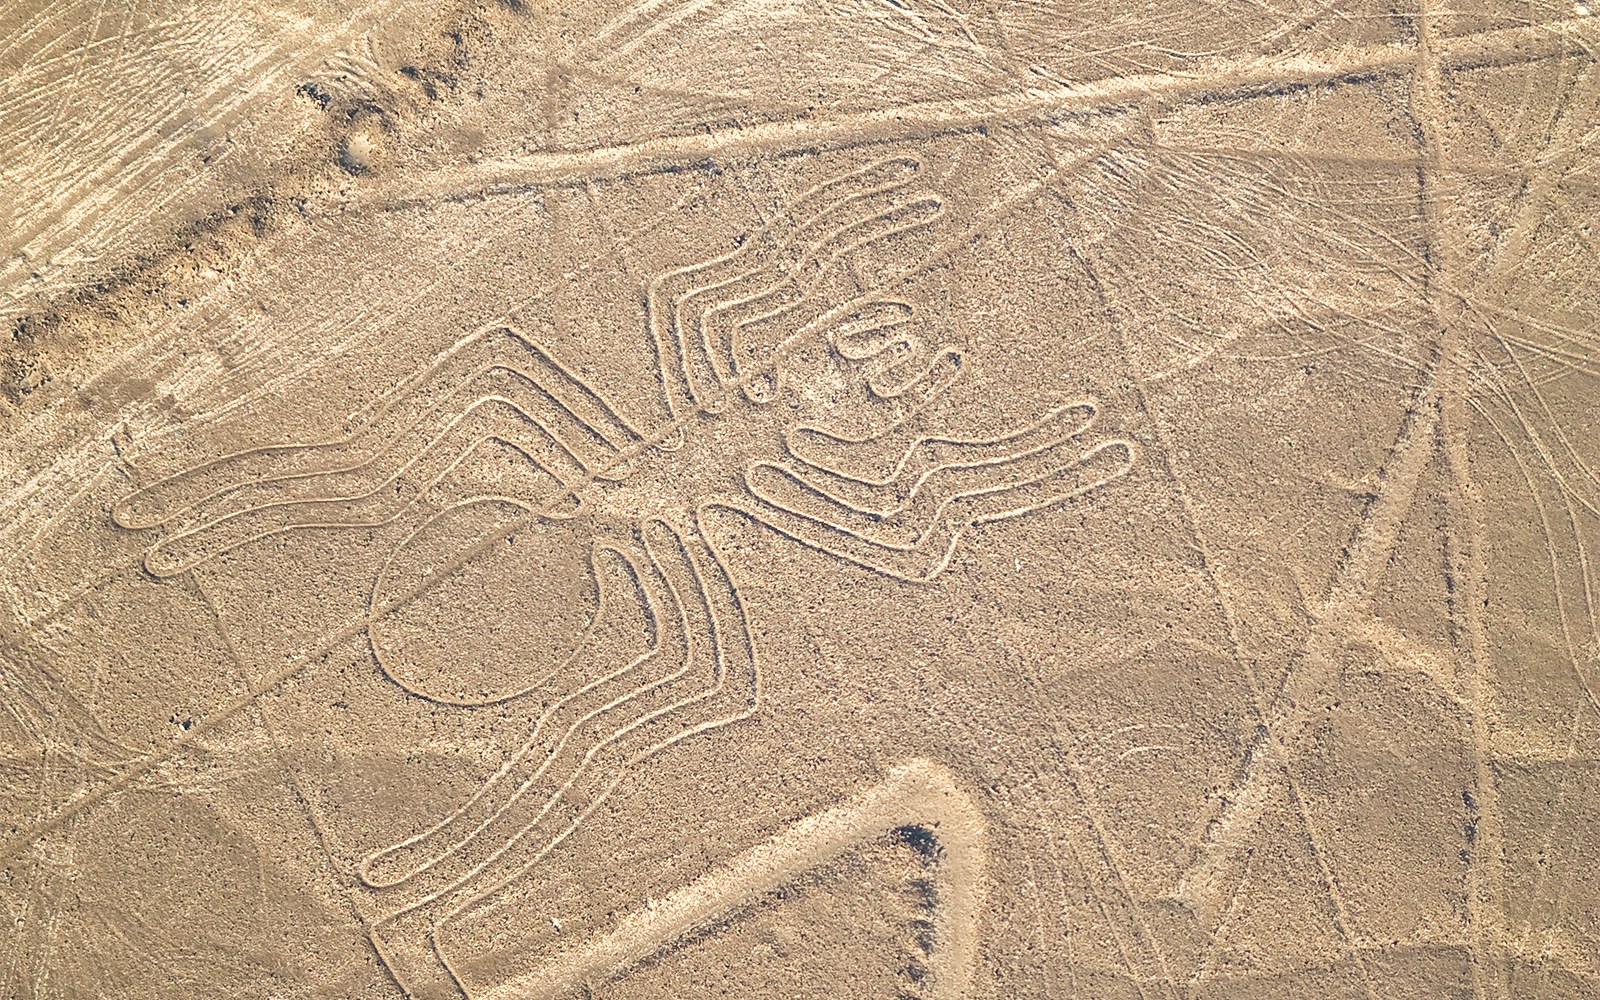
[946, 499]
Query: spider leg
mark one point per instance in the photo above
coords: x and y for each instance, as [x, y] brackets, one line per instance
[360, 499]
[494, 386]
[781, 300]
[696, 373]
[908, 523]
[701, 677]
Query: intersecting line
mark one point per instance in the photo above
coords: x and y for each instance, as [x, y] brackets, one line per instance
[1238, 80]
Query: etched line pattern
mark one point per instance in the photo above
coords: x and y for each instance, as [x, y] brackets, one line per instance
[494, 385]
[96, 180]
[704, 317]
[909, 524]
[881, 495]
[1238, 78]
[1006, 203]
[621, 38]
[919, 794]
[613, 571]
[665, 654]
[699, 675]
[1454, 380]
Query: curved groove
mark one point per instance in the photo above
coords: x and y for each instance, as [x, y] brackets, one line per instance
[917, 794]
[604, 607]
[695, 373]
[377, 506]
[703, 632]
[480, 355]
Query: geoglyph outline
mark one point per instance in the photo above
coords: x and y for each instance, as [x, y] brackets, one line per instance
[699, 317]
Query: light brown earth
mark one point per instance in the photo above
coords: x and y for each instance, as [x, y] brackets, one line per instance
[799, 498]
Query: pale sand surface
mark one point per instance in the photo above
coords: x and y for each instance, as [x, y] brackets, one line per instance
[741, 498]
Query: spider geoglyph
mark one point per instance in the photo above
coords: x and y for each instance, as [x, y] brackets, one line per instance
[882, 494]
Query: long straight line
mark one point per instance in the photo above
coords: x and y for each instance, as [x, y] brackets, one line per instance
[1223, 79]
[20, 842]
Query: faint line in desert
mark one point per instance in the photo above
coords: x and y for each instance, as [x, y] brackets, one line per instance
[1421, 435]
[314, 821]
[146, 155]
[1222, 79]
[1204, 900]
[1006, 203]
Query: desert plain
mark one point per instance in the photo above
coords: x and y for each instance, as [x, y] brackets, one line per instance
[799, 498]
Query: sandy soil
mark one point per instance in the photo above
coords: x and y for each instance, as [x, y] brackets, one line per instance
[799, 498]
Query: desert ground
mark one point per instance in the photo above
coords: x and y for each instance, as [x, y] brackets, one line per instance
[951, 499]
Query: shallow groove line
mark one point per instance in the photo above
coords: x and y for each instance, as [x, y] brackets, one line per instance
[1219, 80]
